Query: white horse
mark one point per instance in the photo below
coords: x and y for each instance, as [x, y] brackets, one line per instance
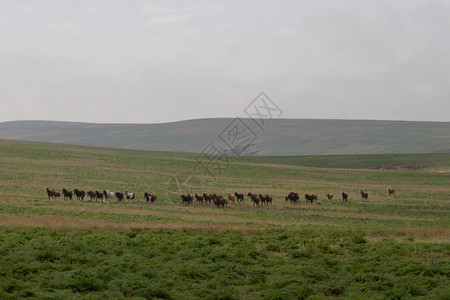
[108, 195]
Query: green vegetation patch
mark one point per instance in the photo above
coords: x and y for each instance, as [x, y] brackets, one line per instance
[183, 264]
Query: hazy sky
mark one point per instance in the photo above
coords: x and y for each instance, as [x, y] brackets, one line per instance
[159, 61]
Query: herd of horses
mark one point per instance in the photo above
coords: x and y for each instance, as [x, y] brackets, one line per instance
[97, 196]
[218, 200]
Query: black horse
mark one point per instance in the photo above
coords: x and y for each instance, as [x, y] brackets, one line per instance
[119, 196]
[67, 194]
[344, 197]
[239, 197]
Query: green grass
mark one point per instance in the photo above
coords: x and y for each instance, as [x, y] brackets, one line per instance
[192, 264]
[383, 248]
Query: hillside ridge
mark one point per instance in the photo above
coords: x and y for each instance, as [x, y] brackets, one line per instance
[277, 137]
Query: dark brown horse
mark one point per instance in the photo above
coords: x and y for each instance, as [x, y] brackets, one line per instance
[292, 197]
[391, 191]
[330, 197]
[50, 193]
[199, 198]
[254, 198]
[208, 198]
[309, 198]
[92, 195]
[364, 195]
[99, 196]
[220, 201]
[265, 199]
[79, 194]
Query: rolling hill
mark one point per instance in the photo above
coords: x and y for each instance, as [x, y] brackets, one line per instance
[276, 137]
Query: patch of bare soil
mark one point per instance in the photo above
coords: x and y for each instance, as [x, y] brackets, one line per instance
[401, 167]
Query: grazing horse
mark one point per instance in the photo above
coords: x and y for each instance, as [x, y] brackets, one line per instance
[364, 195]
[231, 198]
[254, 198]
[391, 191]
[67, 194]
[314, 197]
[344, 197]
[92, 195]
[79, 194]
[309, 198]
[119, 197]
[330, 197]
[239, 197]
[292, 197]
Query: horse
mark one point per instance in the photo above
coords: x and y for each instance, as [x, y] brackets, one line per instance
[239, 197]
[130, 196]
[199, 198]
[330, 197]
[92, 195]
[364, 195]
[150, 197]
[51, 194]
[119, 197]
[67, 194]
[99, 196]
[254, 198]
[231, 198]
[292, 197]
[391, 191]
[265, 199]
[309, 198]
[220, 201]
[208, 198]
[186, 199]
[79, 194]
[344, 197]
[108, 195]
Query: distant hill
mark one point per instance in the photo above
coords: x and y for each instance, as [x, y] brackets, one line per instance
[276, 137]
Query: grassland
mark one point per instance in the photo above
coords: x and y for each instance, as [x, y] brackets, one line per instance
[382, 248]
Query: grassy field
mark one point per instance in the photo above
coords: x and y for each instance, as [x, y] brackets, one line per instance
[385, 247]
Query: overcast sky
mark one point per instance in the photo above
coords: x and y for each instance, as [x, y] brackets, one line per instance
[161, 61]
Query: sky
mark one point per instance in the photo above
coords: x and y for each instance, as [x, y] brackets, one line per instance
[162, 61]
